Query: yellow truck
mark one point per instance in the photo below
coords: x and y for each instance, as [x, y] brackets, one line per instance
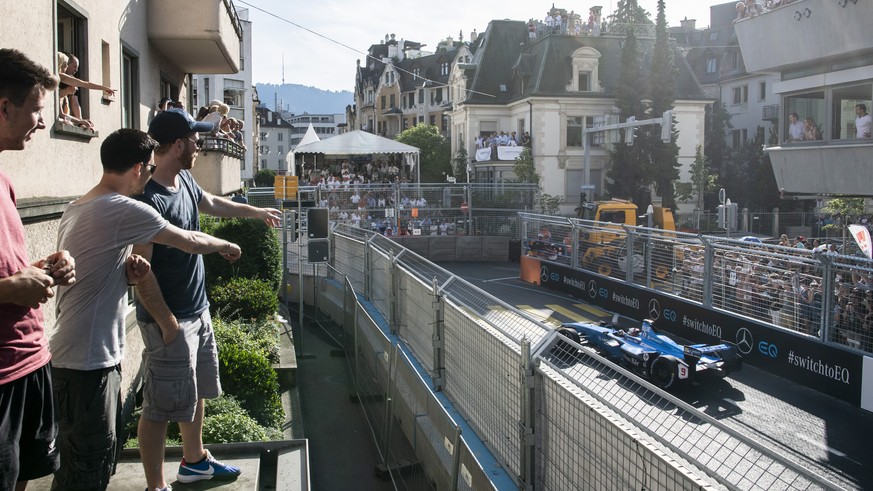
[605, 249]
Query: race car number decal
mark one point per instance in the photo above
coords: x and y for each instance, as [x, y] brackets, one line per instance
[683, 372]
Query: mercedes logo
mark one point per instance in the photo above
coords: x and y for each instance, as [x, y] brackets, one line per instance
[544, 274]
[744, 341]
[654, 309]
[592, 289]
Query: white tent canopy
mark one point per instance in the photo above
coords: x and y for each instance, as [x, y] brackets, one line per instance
[309, 137]
[359, 142]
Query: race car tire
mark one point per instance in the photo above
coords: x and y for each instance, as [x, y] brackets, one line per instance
[662, 272]
[664, 372]
[605, 269]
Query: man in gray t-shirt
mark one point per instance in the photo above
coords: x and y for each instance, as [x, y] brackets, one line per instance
[87, 343]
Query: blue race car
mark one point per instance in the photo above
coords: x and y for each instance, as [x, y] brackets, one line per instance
[654, 355]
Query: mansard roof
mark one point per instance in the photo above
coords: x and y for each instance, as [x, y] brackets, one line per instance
[511, 67]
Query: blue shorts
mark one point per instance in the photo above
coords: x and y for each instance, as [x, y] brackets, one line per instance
[177, 375]
[28, 428]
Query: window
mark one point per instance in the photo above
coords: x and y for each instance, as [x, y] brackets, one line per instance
[234, 92]
[736, 60]
[575, 131]
[415, 72]
[739, 137]
[432, 120]
[72, 37]
[281, 149]
[206, 98]
[445, 125]
[762, 91]
[808, 105]
[713, 36]
[129, 89]
[421, 96]
[392, 102]
[575, 135]
[711, 65]
[264, 135]
[383, 101]
[439, 95]
[741, 94]
[263, 163]
[411, 102]
[584, 81]
[844, 101]
[444, 68]
[280, 136]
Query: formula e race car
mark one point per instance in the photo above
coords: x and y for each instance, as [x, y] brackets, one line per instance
[654, 355]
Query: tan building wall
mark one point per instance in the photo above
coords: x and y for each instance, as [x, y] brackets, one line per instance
[55, 167]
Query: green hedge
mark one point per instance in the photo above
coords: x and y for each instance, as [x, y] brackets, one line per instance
[249, 377]
[243, 298]
[260, 336]
[261, 251]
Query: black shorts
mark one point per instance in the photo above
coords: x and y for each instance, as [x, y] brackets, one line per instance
[89, 417]
[27, 428]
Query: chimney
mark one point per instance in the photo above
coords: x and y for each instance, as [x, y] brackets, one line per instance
[473, 36]
[688, 25]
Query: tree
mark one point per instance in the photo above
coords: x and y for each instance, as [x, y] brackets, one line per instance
[265, 178]
[524, 168]
[461, 163]
[749, 180]
[629, 170]
[716, 149]
[702, 181]
[436, 160]
[629, 12]
[662, 82]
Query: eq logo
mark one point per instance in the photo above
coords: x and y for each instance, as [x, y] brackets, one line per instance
[655, 309]
[544, 274]
[603, 292]
[768, 349]
[592, 289]
[555, 277]
[670, 315]
[744, 341]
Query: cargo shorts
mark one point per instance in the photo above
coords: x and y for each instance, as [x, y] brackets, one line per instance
[177, 375]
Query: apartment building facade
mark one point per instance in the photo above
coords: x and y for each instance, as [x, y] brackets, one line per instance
[823, 75]
[144, 50]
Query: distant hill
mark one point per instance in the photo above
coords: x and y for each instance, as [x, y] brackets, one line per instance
[300, 98]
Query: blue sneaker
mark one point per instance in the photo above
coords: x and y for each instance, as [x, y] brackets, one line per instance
[206, 469]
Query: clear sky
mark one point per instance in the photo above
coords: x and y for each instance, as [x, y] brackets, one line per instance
[313, 51]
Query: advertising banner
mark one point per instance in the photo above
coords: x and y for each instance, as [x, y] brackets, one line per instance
[862, 237]
[801, 359]
[483, 154]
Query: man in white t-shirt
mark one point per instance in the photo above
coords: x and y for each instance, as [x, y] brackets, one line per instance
[863, 122]
[795, 128]
[87, 343]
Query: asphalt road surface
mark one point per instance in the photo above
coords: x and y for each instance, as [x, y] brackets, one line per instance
[826, 435]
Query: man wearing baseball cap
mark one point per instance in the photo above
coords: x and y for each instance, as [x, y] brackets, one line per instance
[172, 303]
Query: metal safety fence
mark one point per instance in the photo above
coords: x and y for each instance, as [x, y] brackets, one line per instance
[418, 209]
[818, 294]
[465, 378]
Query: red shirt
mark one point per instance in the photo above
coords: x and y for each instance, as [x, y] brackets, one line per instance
[23, 344]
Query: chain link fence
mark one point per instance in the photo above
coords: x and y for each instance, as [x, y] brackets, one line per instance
[824, 295]
[466, 378]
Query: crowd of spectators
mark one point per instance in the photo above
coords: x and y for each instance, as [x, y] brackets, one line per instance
[559, 21]
[225, 127]
[783, 286]
[511, 139]
[753, 8]
[347, 174]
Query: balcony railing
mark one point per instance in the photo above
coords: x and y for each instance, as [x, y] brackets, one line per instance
[770, 112]
[227, 147]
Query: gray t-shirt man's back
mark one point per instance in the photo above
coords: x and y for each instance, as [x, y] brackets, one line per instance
[100, 233]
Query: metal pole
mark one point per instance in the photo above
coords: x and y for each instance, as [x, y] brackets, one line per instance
[300, 268]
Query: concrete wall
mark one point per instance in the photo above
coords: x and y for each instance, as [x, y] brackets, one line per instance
[458, 248]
